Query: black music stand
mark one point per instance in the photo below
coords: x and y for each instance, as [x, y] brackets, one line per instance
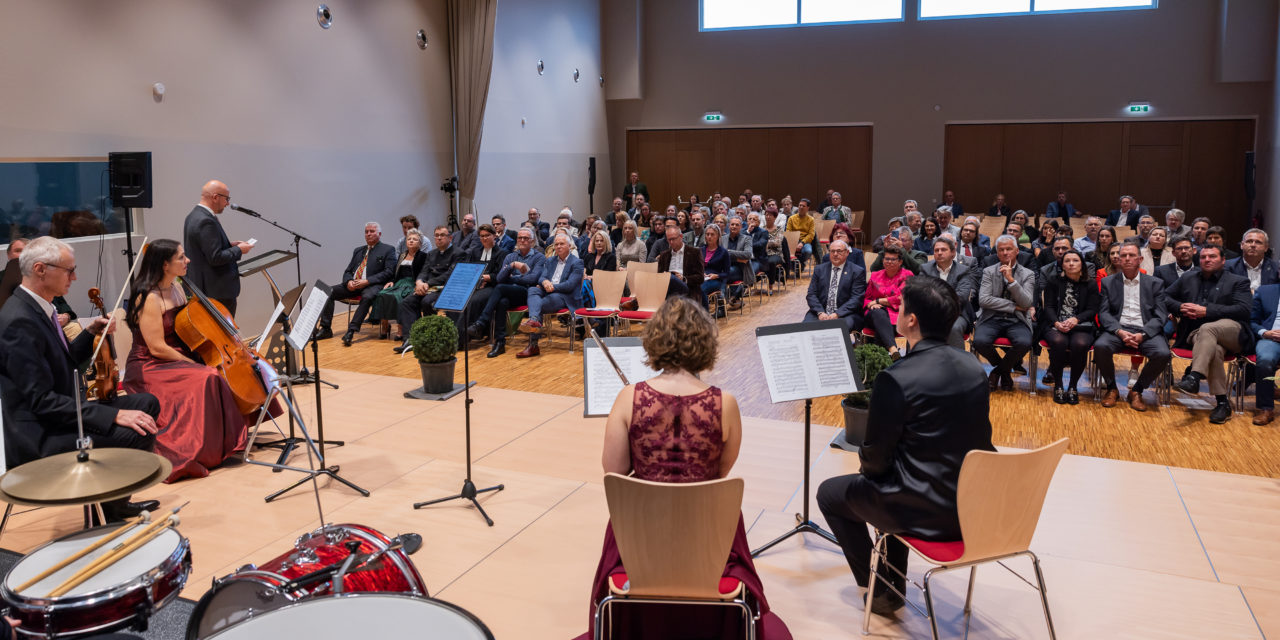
[804, 361]
[455, 296]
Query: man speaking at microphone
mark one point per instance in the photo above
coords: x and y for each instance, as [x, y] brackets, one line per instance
[213, 257]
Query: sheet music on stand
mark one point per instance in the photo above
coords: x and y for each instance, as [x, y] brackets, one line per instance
[600, 381]
[309, 316]
[807, 360]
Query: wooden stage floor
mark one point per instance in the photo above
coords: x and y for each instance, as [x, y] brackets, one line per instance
[1129, 549]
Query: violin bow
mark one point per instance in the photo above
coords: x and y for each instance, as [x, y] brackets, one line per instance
[120, 298]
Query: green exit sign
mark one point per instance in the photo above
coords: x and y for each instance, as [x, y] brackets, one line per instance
[712, 117]
[1139, 108]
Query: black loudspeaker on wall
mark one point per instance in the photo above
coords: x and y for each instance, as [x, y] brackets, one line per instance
[130, 179]
[591, 176]
[1250, 170]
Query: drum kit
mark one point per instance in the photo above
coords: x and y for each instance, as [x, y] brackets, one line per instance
[114, 577]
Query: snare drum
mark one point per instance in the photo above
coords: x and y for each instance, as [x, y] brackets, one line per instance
[124, 594]
[347, 616]
[253, 590]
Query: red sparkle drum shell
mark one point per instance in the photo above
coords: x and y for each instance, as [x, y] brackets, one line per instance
[124, 594]
[254, 590]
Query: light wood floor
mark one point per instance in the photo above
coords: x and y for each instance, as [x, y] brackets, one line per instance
[1178, 435]
[1129, 550]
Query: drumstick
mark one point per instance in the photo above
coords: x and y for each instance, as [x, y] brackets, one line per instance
[113, 556]
[152, 527]
[142, 519]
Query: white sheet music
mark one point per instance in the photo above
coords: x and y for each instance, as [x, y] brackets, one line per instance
[806, 364]
[271, 319]
[308, 318]
[602, 384]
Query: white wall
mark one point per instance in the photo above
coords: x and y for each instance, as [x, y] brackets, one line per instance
[1048, 67]
[543, 163]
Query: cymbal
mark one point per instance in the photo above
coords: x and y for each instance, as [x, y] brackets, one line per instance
[152, 480]
[62, 478]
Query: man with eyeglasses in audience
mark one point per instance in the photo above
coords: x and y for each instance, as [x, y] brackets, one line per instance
[435, 273]
[1132, 315]
[1006, 309]
[961, 277]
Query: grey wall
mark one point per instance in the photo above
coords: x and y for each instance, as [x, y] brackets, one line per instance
[1049, 67]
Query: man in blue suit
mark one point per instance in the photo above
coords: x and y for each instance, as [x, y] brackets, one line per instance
[1253, 262]
[519, 272]
[1060, 208]
[848, 289]
[1263, 321]
[559, 287]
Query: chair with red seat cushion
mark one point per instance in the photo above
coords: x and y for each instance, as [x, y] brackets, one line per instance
[1236, 381]
[607, 287]
[1032, 360]
[650, 289]
[998, 501]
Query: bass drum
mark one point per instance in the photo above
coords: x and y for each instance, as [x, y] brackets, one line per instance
[253, 590]
[347, 616]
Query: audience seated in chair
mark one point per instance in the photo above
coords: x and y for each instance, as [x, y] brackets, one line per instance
[559, 286]
[803, 222]
[884, 297]
[1184, 256]
[902, 239]
[465, 239]
[435, 273]
[1060, 208]
[716, 265]
[849, 288]
[1253, 262]
[684, 263]
[1006, 299]
[371, 266]
[520, 271]
[387, 303]
[1265, 322]
[1071, 303]
[963, 279]
[493, 258]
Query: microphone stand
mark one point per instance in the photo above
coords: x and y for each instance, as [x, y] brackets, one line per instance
[304, 376]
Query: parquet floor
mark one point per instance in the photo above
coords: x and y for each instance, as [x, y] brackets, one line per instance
[1177, 435]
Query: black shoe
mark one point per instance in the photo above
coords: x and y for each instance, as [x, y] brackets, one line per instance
[476, 330]
[1220, 413]
[993, 379]
[324, 333]
[1073, 396]
[1047, 379]
[1018, 368]
[1006, 382]
[347, 337]
[499, 348]
[886, 602]
[402, 347]
[121, 511]
[1059, 395]
[1190, 384]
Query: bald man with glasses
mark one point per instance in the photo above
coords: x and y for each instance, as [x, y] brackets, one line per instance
[213, 256]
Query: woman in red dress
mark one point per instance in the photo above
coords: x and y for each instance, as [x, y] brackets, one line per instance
[677, 428]
[199, 423]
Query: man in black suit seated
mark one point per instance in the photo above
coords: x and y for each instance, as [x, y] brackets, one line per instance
[543, 228]
[38, 368]
[1060, 208]
[1132, 315]
[435, 272]
[465, 239]
[949, 200]
[492, 256]
[838, 297]
[1127, 214]
[213, 257]
[1184, 255]
[1253, 262]
[1213, 310]
[371, 266]
[962, 278]
[1026, 257]
[684, 263]
[927, 412]
[969, 244]
[506, 236]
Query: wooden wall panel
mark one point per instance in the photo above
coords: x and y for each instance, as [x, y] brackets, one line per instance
[1091, 162]
[1031, 169]
[1215, 176]
[794, 159]
[651, 157]
[744, 160]
[845, 165]
[694, 169]
[1154, 176]
[972, 167]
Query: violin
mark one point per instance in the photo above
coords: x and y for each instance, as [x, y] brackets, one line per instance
[105, 371]
[206, 327]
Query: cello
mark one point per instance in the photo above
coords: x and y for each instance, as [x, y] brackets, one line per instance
[106, 373]
[206, 327]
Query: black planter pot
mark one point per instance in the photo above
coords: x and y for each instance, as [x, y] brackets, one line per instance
[437, 377]
[855, 427]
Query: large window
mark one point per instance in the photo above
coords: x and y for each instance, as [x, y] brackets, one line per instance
[930, 9]
[753, 14]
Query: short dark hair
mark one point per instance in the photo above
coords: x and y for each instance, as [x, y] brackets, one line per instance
[1215, 229]
[487, 228]
[1181, 240]
[805, 201]
[498, 216]
[934, 304]
[1215, 247]
[411, 219]
[897, 251]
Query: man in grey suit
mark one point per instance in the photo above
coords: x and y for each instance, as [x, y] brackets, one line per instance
[740, 252]
[960, 276]
[1132, 315]
[846, 304]
[1006, 302]
[213, 257]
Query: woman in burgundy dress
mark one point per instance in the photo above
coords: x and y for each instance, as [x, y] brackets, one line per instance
[199, 423]
[676, 428]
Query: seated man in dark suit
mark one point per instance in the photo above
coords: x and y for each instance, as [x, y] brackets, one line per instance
[506, 237]
[1212, 307]
[1132, 315]
[543, 228]
[1127, 215]
[961, 277]
[1253, 262]
[559, 287]
[1006, 302]
[684, 263]
[1265, 322]
[1060, 208]
[465, 239]
[927, 412]
[1184, 254]
[969, 244]
[840, 297]
[435, 272]
[519, 272]
[488, 253]
[371, 266]
[37, 375]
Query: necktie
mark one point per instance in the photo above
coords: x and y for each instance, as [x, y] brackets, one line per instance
[832, 290]
[363, 262]
[968, 251]
[53, 317]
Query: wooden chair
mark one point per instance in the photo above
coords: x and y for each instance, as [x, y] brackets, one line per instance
[608, 286]
[650, 290]
[384, 326]
[999, 498]
[1123, 232]
[674, 540]
[992, 227]
[855, 225]
[793, 243]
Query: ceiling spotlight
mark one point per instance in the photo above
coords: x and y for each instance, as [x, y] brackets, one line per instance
[576, 75]
[422, 39]
[541, 67]
[324, 16]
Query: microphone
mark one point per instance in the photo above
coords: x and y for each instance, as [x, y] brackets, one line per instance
[244, 209]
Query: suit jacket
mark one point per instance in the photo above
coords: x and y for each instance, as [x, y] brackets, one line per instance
[1055, 211]
[496, 259]
[1152, 300]
[695, 239]
[511, 275]
[980, 252]
[36, 384]
[465, 242]
[1269, 271]
[507, 241]
[692, 267]
[849, 292]
[570, 278]
[438, 266]
[741, 253]
[1115, 218]
[991, 293]
[656, 248]
[213, 257]
[927, 412]
[1263, 316]
[1226, 296]
[606, 262]
[379, 269]
[629, 192]
[961, 279]
[1088, 299]
[1168, 273]
[1026, 258]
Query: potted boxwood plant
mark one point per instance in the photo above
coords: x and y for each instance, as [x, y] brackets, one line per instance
[871, 360]
[435, 344]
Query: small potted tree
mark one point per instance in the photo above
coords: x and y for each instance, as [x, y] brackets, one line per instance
[435, 344]
[871, 359]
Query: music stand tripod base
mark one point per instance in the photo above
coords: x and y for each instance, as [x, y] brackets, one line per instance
[419, 394]
[469, 492]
